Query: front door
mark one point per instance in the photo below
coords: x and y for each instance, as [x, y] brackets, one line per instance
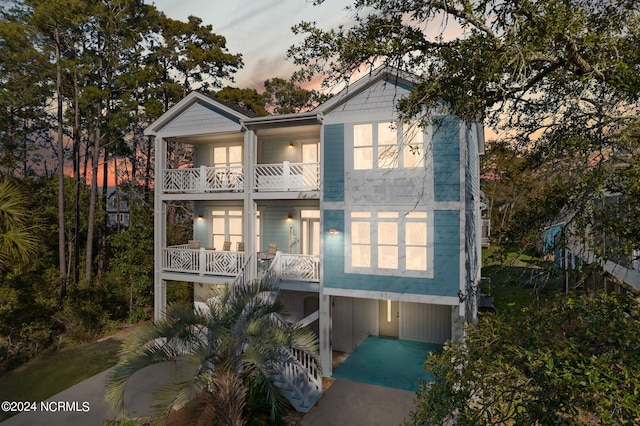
[389, 318]
[310, 241]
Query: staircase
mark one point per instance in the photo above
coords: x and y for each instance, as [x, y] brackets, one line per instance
[300, 379]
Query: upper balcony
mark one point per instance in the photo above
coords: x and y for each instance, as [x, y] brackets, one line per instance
[203, 179]
[287, 177]
[268, 178]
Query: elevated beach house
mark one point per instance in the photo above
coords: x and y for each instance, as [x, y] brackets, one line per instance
[370, 226]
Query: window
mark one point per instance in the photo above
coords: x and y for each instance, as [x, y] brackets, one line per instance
[412, 145]
[416, 241]
[392, 147]
[387, 146]
[227, 226]
[227, 156]
[362, 146]
[389, 242]
[361, 239]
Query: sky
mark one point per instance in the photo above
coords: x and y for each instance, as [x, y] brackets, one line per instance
[260, 30]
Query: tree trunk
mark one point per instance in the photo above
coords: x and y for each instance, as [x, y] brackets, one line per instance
[62, 261]
[94, 195]
[76, 173]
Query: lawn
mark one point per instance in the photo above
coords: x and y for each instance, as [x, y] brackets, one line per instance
[44, 377]
[518, 280]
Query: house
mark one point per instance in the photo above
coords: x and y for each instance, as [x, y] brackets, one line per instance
[370, 226]
[117, 208]
[612, 267]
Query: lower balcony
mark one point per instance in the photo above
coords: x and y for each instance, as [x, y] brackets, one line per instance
[202, 261]
[286, 268]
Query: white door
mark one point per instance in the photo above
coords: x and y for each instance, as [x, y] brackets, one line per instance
[310, 239]
[226, 226]
[389, 318]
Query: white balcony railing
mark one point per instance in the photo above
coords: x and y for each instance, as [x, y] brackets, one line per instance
[202, 261]
[203, 179]
[287, 177]
[297, 267]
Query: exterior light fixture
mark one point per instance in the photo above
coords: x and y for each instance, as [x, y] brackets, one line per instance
[289, 217]
[200, 216]
[333, 232]
[291, 145]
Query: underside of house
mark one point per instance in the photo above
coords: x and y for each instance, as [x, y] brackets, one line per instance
[370, 227]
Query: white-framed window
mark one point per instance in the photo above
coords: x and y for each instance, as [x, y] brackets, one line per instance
[388, 242]
[415, 227]
[226, 226]
[361, 239]
[227, 155]
[363, 146]
[385, 145]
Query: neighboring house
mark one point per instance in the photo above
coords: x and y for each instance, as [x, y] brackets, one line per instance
[117, 208]
[572, 250]
[370, 227]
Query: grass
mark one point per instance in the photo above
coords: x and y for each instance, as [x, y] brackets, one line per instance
[44, 377]
[517, 280]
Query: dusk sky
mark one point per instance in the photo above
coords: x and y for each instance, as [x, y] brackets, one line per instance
[259, 29]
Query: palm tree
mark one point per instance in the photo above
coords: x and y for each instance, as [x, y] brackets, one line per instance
[239, 340]
[19, 230]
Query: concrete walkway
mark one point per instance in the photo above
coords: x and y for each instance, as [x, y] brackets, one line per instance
[348, 403]
[84, 403]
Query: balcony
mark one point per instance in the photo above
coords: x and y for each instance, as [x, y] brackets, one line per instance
[296, 267]
[202, 261]
[287, 177]
[203, 179]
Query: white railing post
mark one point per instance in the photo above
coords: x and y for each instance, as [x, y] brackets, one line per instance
[286, 174]
[202, 259]
[202, 182]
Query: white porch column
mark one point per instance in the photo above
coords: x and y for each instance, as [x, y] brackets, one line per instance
[159, 232]
[250, 208]
[325, 335]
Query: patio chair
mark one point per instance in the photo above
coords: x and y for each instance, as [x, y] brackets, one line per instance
[194, 244]
[270, 254]
[240, 246]
[226, 246]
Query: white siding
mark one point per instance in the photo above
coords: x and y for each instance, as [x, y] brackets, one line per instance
[199, 119]
[342, 324]
[424, 322]
[381, 97]
[364, 315]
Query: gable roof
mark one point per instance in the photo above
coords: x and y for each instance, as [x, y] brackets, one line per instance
[393, 76]
[232, 112]
[233, 106]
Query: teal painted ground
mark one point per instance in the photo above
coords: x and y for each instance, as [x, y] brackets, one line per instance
[386, 362]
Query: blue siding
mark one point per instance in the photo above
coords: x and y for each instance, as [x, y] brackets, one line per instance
[446, 159]
[446, 260]
[472, 179]
[333, 164]
[275, 229]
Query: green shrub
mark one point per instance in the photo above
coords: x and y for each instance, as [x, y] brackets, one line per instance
[574, 360]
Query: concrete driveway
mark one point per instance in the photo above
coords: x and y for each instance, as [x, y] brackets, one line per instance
[343, 403]
[348, 403]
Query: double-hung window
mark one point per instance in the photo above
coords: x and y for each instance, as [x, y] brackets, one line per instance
[388, 242]
[385, 145]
